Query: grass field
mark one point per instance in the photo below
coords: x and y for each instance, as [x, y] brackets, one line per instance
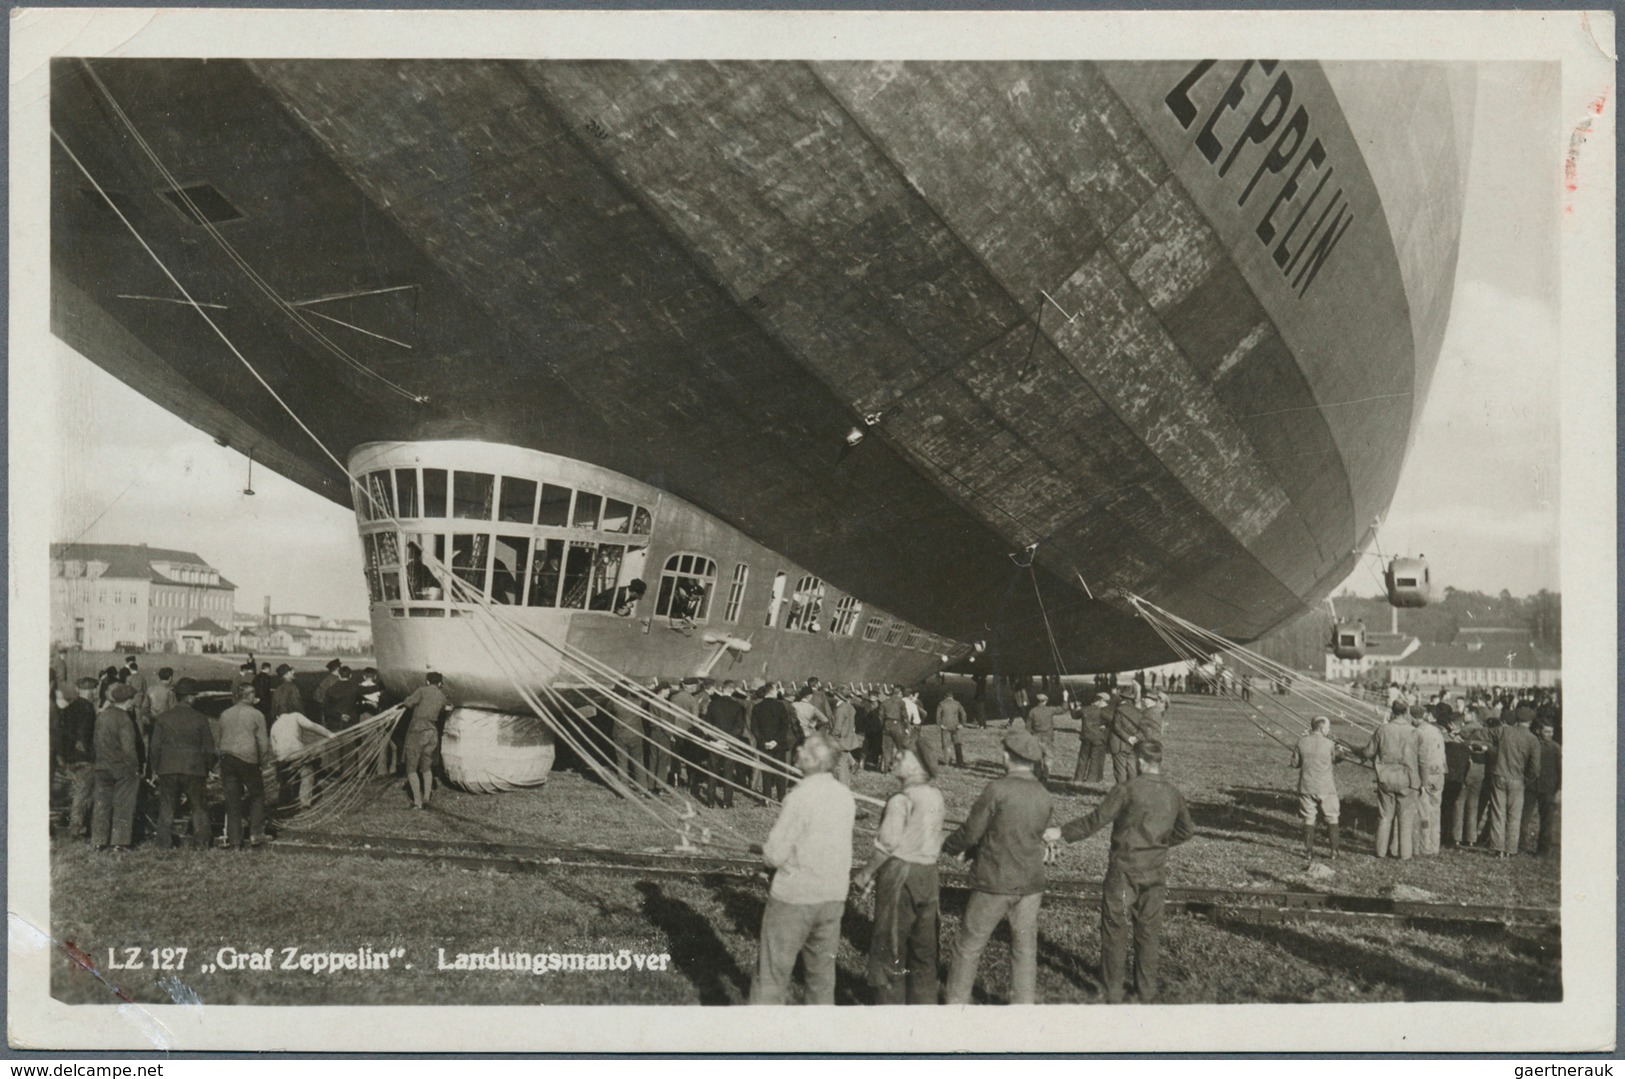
[1237, 781]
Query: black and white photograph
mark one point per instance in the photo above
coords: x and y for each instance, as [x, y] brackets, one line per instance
[852, 510]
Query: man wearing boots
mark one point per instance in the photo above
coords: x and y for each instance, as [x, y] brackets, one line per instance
[1313, 757]
[1148, 815]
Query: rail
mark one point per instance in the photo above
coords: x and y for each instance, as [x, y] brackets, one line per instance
[1215, 904]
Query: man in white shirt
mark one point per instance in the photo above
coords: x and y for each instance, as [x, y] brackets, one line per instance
[291, 734]
[810, 849]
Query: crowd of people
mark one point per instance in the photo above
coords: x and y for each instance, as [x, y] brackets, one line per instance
[1448, 770]
[129, 750]
[1485, 770]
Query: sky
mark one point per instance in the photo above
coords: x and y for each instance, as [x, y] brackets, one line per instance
[1478, 495]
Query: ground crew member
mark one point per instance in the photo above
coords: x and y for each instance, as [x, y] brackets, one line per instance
[245, 748]
[1096, 720]
[1399, 781]
[903, 951]
[895, 729]
[116, 777]
[626, 738]
[1148, 815]
[773, 726]
[423, 737]
[1125, 732]
[844, 729]
[160, 698]
[78, 751]
[725, 715]
[810, 850]
[1517, 764]
[1313, 757]
[950, 720]
[1041, 725]
[182, 754]
[1475, 739]
[1545, 795]
[286, 697]
[1431, 759]
[137, 680]
[1004, 835]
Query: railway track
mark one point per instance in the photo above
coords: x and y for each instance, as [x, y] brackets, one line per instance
[1214, 904]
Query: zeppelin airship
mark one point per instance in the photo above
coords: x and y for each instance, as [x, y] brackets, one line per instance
[856, 369]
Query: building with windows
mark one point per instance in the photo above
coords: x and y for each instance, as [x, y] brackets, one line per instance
[1511, 661]
[109, 597]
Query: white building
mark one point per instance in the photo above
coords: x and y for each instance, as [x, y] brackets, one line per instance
[112, 597]
[1509, 662]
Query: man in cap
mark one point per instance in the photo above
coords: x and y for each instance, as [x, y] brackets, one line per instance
[1153, 714]
[950, 722]
[1148, 815]
[245, 748]
[1125, 732]
[1430, 757]
[895, 730]
[182, 754]
[1004, 835]
[1041, 725]
[286, 697]
[325, 686]
[1399, 780]
[341, 706]
[810, 850]
[77, 749]
[1095, 719]
[1313, 756]
[903, 950]
[1517, 764]
[116, 777]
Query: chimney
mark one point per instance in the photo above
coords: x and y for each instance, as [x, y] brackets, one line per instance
[267, 610]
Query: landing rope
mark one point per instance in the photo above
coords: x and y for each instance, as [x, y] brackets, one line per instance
[1281, 712]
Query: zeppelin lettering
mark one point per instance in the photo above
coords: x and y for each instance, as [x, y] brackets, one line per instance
[1287, 172]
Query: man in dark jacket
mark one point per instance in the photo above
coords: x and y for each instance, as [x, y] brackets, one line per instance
[117, 773]
[77, 751]
[1096, 720]
[1517, 765]
[725, 714]
[775, 729]
[1125, 732]
[1004, 835]
[341, 707]
[182, 753]
[1545, 793]
[286, 697]
[1148, 815]
[264, 686]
